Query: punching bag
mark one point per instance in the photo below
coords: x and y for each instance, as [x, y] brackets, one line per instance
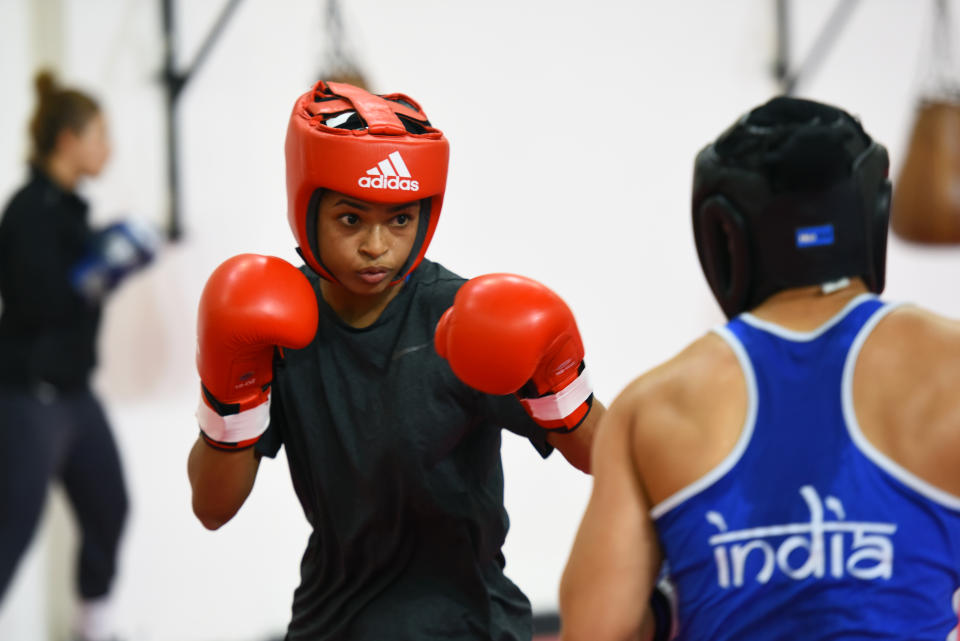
[926, 192]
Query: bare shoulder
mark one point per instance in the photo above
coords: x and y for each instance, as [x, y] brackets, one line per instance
[918, 328]
[912, 347]
[678, 386]
[685, 415]
[905, 393]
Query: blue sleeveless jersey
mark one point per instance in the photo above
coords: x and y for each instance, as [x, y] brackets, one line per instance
[806, 531]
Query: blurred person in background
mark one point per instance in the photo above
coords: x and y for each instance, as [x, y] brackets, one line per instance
[55, 272]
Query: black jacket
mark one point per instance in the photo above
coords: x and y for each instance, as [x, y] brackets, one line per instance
[47, 331]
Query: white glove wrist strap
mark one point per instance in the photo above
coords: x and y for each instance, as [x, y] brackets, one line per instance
[556, 407]
[234, 428]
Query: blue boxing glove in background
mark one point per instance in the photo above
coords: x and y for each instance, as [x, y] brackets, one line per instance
[114, 252]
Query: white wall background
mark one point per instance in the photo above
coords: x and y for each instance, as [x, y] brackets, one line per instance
[573, 128]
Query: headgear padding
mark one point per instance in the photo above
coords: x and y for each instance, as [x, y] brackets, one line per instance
[795, 193]
[374, 148]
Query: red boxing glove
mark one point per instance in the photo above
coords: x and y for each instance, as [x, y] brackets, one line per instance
[250, 304]
[508, 334]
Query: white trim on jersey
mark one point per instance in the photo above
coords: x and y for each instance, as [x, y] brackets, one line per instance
[802, 337]
[746, 433]
[878, 458]
[956, 610]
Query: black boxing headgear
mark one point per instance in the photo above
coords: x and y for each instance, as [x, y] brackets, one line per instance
[795, 193]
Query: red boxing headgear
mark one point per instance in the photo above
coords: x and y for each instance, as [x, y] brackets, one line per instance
[376, 148]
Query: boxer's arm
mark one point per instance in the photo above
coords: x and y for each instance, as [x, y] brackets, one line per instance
[576, 446]
[221, 481]
[615, 558]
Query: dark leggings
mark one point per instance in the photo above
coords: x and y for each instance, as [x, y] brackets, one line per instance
[46, 436]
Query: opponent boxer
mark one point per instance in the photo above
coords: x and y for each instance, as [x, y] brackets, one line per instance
[794, 472]
[354, 363]
[55, 274]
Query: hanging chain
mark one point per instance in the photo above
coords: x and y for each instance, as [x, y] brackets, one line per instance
[944, 72]
[339, 63]
[336, 56]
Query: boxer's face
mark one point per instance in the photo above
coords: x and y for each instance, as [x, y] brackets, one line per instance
[365, 244]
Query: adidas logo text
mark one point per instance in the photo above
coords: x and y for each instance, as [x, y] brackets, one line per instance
[390, 173]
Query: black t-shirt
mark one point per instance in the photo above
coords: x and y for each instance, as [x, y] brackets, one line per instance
[397, 466]
[47, 331]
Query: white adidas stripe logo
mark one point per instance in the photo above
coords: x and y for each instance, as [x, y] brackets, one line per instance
[387, 165]
[389, 173]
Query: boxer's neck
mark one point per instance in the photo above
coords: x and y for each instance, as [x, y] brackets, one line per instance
[357, 310]
[804, 309]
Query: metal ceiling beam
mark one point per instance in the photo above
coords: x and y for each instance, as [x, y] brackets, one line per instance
[175, 81]
[790, 78]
